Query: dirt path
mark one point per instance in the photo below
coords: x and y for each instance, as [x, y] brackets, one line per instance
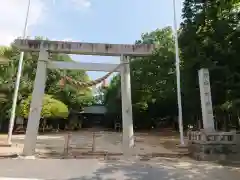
[83, 142]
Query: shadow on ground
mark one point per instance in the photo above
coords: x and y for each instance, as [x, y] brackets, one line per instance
[162, 171]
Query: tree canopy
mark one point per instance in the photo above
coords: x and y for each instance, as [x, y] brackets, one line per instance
[73, 97]
[51, 108]
[208, 37]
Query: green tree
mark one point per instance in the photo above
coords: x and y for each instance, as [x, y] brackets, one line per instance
[112, 97]
[74, 98]
[209, 37]
[51, 108]
[152, 80]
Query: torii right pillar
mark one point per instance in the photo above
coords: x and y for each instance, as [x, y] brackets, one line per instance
[127, 118]
[206, 100]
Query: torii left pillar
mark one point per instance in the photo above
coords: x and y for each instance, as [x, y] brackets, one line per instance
[36, 105]
[127, 118]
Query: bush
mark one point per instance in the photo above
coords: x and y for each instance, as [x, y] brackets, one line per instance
[52, 108]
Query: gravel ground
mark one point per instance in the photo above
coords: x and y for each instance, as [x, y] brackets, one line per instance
[52, 145]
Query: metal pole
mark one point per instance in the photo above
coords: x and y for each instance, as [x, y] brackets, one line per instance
[180, 121]
[19, 72]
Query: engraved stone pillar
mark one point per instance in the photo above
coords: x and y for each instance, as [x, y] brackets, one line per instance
[206, 100]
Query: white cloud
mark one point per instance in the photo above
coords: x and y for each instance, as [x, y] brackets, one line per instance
[13, 14]
[81, 3]
[12, 18]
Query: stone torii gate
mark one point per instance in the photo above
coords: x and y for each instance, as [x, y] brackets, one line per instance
[45, 47]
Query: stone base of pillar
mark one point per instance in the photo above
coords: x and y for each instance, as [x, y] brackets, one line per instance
[214, 146]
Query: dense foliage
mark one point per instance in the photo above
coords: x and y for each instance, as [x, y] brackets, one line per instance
[71, 96]
[209, 37]
[52, 108]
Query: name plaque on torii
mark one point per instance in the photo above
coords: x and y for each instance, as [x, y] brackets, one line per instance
[85, 48]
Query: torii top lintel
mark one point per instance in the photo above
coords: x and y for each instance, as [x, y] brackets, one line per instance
[85, 48]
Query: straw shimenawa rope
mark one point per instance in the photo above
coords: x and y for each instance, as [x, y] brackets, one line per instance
[80, 84]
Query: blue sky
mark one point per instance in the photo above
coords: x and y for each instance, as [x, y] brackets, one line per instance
[108, 21]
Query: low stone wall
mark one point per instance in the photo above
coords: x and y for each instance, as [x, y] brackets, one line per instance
[214, 146]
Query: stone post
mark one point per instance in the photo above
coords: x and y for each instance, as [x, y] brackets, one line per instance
[127, 120]
[206, 100]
